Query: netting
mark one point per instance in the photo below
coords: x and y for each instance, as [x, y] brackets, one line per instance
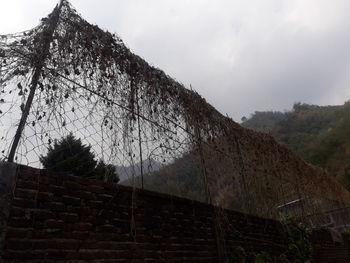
[67, 76]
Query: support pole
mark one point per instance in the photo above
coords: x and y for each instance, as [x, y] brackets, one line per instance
[41, 54]
[140, 138]
[24, 117]
[219, 235]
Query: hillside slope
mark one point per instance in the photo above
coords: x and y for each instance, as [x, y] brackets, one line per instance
[318, 134]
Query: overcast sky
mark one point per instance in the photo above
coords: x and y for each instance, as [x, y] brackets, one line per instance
[241, 55]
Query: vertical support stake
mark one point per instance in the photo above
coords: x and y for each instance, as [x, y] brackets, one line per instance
[41, 52]
[24, 117]
[140, 139]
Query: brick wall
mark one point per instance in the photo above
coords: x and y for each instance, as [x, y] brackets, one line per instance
[61, 218]
[7, 179]
[328, 251]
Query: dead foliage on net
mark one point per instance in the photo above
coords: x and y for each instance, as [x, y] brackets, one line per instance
[69, 76]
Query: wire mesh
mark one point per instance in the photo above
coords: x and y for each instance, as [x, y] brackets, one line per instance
[155, 132]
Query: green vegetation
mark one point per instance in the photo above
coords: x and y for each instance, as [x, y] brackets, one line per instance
[299, 244]
[319, 135]
[346, 234]
[71, 156]
[239, 255]
[299, 247]
[181, 178]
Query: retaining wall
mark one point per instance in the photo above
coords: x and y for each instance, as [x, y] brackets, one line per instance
[62, 218]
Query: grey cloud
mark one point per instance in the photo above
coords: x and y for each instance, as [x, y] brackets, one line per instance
[242, 57]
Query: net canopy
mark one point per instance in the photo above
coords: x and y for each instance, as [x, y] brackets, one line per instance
[67, 76]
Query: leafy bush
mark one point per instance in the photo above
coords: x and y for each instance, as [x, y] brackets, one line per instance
[238, 255]
[299, 244]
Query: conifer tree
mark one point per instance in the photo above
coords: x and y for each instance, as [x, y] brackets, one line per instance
[70, 155]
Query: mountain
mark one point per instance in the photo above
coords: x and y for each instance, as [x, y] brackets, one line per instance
[181, 178]
[318, 134]
[126, 172]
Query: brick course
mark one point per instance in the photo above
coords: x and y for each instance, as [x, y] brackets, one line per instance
[62, 218]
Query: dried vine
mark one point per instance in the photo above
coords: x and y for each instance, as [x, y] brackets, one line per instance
[86, 81]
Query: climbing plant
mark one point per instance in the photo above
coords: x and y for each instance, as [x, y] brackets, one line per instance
[69, 76]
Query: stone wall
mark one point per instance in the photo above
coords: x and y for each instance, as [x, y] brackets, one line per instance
[8, 174]
[328, 249]
[62, 218]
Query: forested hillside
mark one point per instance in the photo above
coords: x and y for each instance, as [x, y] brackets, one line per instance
[181, 178]
[318, 134]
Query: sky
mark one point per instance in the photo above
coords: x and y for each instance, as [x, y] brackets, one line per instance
[240, 55]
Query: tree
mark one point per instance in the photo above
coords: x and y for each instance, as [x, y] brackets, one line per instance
[71, 155]
[106, 172]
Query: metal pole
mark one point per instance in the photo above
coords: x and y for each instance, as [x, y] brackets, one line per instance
[41, 52]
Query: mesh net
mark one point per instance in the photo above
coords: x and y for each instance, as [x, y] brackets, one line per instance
[67, 76]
